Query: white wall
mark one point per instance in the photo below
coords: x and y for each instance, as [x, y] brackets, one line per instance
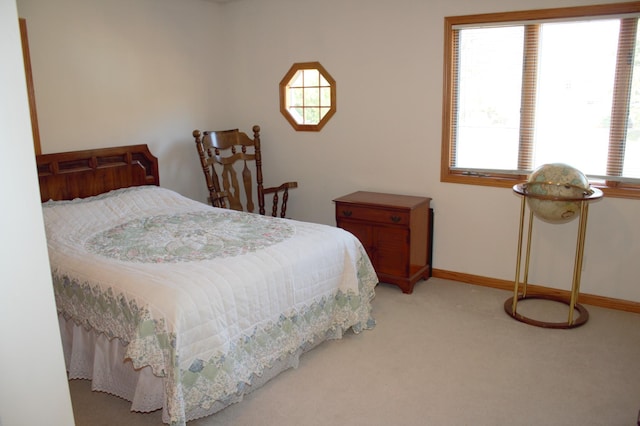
[33, 384]
[387, 60]
[119, 72]
[152, 70]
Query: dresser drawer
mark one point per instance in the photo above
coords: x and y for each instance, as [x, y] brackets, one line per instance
[368, 214]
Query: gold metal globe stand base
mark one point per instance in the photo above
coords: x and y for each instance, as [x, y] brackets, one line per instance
[577, 322]
[520, 288]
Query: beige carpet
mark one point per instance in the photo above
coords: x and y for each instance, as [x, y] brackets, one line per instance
[445, 355]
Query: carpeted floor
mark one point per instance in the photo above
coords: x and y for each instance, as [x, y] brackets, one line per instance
[445, 355]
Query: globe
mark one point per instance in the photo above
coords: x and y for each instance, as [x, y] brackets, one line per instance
[548, 187]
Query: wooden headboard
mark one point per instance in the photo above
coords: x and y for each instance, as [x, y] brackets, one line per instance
[79, 174]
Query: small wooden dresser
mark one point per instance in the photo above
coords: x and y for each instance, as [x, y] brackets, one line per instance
[395, 230]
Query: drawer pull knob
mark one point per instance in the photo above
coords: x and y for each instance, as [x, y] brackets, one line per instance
[347, 213]
[395, 219]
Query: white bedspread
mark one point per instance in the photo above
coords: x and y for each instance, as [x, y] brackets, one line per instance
[208, 298]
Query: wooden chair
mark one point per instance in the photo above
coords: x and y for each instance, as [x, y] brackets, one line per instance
[229, 158]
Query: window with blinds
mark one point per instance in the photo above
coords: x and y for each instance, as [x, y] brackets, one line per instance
[528, 88]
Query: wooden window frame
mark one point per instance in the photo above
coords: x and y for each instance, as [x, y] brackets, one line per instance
[619, 112]
[284, 89]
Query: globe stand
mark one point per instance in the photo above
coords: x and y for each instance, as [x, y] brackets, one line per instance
[511, 304]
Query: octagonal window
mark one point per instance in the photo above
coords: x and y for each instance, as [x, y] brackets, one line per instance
[307, 96]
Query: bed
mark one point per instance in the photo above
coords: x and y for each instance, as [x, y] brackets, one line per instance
[176, 305]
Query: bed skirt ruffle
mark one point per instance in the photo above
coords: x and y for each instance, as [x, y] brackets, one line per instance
[92, 356]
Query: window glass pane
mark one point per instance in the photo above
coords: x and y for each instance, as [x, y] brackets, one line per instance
[489, 90]
[297, 114]
[297, 80]
[311, 77]
[631, 166]
[323, 81]
[296, 97]
[325, 96]
[311, 115]
[312, 96]
[577, 65]
[323, 112]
